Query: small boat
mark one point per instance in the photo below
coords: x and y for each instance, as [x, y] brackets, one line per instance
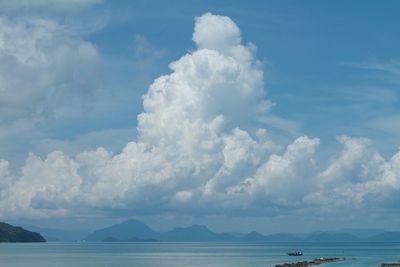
[295, 253]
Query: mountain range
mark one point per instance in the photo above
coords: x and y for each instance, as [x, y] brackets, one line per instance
[135, 230]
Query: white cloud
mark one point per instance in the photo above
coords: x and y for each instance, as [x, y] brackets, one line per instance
[42, 69]
[44, 184]
[354, 153]
[6, 178]
[287, 178]
[113, 139]
[216, 32]
[195, 151]
[47, 73]
[388, 124]
[391, 66]
[50, 5]
[359, 177]
[280, 123]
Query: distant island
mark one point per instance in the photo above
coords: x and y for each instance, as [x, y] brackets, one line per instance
[137, 231]
[14, 234]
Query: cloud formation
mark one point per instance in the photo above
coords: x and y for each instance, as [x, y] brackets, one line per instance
[198, 150]
[43, 69]
[50, 5]
[48, 74]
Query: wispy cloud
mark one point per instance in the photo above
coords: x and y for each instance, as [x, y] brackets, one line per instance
[389, 124]
[385, 71]
[47, 5]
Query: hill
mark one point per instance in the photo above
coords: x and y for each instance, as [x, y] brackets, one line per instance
[253, 237]
[194, 233]
[385, 237]
[282, 237]
[9, 233]
[123, 231]
[331, 237]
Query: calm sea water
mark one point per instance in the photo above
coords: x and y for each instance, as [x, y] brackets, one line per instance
[190, 254]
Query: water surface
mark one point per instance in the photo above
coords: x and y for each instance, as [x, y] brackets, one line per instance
[168, 254]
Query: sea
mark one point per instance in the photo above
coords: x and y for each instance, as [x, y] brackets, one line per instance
[168, 254]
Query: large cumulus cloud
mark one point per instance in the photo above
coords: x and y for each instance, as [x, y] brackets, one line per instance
[198, 150]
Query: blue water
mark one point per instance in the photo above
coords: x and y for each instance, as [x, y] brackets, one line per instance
[190, 254]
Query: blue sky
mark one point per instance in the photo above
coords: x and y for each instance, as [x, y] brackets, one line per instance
[73, 77]
[319, 60]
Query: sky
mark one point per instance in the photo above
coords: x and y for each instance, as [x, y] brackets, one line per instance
[270, 115]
